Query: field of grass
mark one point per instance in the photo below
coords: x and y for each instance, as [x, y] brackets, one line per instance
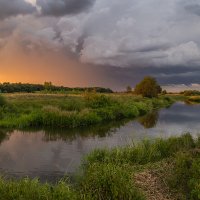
[71, 111]
[160, 169]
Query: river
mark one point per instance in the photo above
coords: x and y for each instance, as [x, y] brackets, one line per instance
[50, 154]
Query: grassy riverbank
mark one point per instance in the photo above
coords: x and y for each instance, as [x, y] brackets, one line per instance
[160, 169]
[166, 168]
[194, 99]
[31, 110]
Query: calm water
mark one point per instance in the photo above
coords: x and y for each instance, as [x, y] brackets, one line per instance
[50, 154]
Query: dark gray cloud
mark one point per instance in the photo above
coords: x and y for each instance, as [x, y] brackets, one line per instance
[193, 9]
[15, 7]
[166, 75]
[192, 6]
[149, 48]
[63, 7]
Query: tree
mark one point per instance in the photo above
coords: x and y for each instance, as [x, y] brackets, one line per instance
[128, 89]
[148, 87]
[48, 86]
[164, 92]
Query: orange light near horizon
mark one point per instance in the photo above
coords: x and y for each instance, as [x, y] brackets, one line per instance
[19, 66]
[58, 70]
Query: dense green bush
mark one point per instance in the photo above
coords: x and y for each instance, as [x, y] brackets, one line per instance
[148, 87]
[108, 182]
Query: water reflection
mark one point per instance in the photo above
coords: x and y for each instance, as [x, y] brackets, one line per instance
[51, 153]
[150, 120]
[4, 135]
[100, 131]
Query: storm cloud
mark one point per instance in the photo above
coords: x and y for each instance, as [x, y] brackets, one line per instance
[15, 7]
[192, 6]
[126, 39]
[63, 7]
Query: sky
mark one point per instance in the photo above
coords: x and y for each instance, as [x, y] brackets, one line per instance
[100, 43]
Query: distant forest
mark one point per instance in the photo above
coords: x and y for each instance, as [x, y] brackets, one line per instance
[47, 86]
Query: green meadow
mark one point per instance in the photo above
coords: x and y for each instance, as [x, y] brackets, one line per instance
[72, 111]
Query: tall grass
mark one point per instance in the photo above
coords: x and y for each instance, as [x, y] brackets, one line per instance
[110, 174]
[142, 153]
[108, 182]
[27, 189]
[71, 112]
[182, 173]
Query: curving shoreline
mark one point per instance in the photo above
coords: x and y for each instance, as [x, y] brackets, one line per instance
[167, 168]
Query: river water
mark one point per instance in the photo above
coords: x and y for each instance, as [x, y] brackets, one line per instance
[51, 154]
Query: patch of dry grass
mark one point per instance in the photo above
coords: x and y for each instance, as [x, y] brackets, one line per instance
[152, 181]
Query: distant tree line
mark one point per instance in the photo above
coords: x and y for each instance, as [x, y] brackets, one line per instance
[47, 86]
[19, 87]
[190, 92]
